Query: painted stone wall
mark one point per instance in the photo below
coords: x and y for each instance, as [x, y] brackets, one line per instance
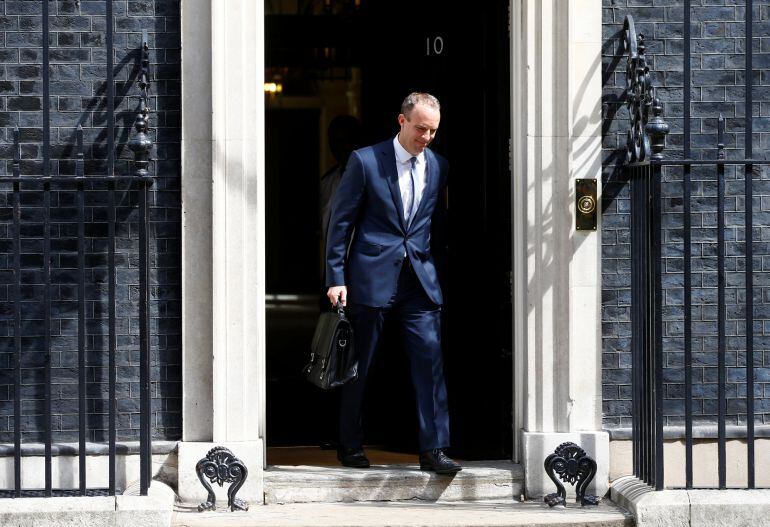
[718, 81]
[78, 96]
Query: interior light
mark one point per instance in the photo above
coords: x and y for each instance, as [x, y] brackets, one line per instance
[273, 87]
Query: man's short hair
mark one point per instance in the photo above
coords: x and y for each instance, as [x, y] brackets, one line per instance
[418, 97]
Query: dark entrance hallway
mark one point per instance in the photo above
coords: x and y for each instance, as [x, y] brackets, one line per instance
[362, 58]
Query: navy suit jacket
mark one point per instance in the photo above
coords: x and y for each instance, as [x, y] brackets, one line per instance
[367, 205]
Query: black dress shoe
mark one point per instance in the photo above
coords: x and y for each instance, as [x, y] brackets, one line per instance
[436, 461]
[352, 457]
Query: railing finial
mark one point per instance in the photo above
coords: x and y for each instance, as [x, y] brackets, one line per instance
[647, 131]
[721, 137]
[657, 129]
[141, 144]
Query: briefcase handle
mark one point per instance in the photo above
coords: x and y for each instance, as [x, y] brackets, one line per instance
[340, 307]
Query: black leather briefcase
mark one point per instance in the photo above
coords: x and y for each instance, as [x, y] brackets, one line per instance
[333, 360]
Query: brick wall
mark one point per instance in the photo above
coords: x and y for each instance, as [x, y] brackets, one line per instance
[78, 96]
[718, 80]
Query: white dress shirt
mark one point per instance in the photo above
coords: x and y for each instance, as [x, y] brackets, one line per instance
[403, 164]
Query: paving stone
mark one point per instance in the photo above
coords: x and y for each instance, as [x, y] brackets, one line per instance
[408, 514]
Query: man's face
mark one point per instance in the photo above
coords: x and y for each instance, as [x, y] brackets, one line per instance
[419, 129]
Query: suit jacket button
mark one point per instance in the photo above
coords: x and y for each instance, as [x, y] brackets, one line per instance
[397, 262]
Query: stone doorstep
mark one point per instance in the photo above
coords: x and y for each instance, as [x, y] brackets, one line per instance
[479, 480]
[415, 513]
[691, 508]
[154, 510]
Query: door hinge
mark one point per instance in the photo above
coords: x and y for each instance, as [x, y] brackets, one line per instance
[510, 20]
[510, 286]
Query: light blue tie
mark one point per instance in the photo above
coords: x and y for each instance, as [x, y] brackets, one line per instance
[409, 216]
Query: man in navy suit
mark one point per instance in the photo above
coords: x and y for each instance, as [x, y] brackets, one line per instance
[385, 202]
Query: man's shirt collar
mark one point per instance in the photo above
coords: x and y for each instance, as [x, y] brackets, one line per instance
[402, 155]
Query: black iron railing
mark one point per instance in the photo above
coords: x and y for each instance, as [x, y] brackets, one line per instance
[644, 177]
[78, 207]
[646, 167]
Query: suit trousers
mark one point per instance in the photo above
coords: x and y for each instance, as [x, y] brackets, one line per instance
[420, 324]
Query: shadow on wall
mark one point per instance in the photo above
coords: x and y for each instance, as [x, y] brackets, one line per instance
[554, 257]
[613, 106]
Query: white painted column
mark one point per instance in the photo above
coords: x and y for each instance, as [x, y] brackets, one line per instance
[556, 50]
[238, 217]
[223, 261]
[585, 147]
[197, 410]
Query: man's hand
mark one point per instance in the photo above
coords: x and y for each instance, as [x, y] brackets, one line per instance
[338, 292]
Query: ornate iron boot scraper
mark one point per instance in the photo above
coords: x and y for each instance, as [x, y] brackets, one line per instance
[221, 466]
[572, 465]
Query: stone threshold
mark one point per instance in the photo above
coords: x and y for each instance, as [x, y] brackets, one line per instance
[416, 513]
[479, 480]
[691, 508]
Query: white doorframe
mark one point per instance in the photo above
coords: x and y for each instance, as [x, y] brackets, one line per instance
[556, 120]
[223, 264]
[208, 89]
[518, 225]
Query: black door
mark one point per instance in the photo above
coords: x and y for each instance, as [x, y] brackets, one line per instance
[462, 57]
